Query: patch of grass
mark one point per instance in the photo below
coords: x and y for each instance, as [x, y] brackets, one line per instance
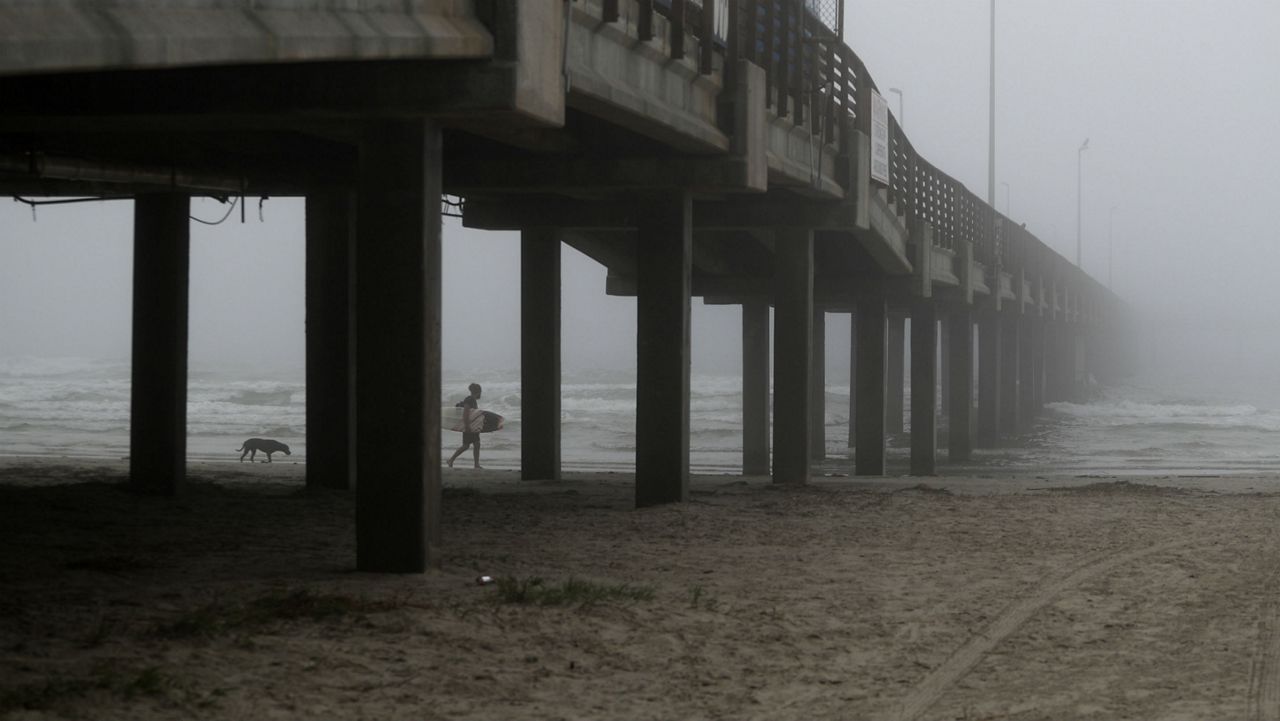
[297, 605]
[698, 598]
[537, 592]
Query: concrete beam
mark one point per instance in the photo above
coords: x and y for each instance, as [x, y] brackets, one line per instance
[777, 209]
[539, 354]
[638, 85]
[331, 232]
[62, 37]
[663, 270]
[398, 348]
[158, 395]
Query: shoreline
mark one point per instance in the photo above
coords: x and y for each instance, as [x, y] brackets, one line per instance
[935, 597]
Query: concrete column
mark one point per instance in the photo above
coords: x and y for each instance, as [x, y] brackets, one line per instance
[331, 405]
[872, 363]
[924, 383]
[1081, 363]
[853, 377]
[539, 355]
[398, 348]
[663, 276]
[944, 345]
[818, 388]
[792, 353]
[755, 388]
[1027, 409]
[989, 379]
[1039, 374]
[894, 372]
[1055, 364]
[960, 411]
[1010, 390]
[158, 397]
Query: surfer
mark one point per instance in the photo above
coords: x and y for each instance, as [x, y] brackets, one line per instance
[468, 406]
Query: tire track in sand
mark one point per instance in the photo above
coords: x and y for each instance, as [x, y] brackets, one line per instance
[928, 691]
[1264, 674]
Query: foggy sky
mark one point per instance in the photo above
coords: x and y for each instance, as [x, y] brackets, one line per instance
[1177, 97]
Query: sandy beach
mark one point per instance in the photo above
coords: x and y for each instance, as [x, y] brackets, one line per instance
[963, 598]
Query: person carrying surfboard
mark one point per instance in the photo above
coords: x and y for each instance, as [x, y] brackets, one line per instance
[469, 406]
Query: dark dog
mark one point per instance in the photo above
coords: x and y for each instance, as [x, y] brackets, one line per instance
[266, 445]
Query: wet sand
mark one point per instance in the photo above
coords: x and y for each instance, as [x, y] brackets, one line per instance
[1024, 597]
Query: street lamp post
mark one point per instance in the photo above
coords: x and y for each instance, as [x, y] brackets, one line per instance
[1079, 202]
[902, 118]
[991, 117]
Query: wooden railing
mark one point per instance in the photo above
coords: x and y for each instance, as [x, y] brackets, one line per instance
[818, 82]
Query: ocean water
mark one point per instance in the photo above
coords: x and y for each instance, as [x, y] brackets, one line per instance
[80, 407]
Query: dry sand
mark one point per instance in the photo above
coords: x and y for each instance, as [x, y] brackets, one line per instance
[969, 598]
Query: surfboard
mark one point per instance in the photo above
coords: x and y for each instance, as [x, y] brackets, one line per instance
[481, 421]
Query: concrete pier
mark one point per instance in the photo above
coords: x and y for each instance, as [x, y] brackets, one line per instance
[853, 376]
[539, 354]
[960, 410]
[158, 395]
[1010, 365]
[663, 277]
[330, 228]
[792, 356]
[869, 456]
[894, 373]
[755, 388]
[398, 348]
[818, 388]
[944, 372]
[989, 378]
[924, 382]
[1027, 394]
